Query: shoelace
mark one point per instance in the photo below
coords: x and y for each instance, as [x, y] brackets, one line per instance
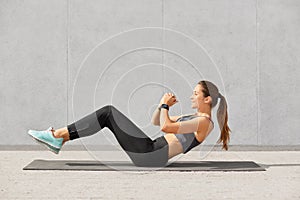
[50, 129]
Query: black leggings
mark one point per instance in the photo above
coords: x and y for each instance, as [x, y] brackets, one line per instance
[139, 147]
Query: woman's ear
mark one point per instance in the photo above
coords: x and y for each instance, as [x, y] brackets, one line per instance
[208, 100]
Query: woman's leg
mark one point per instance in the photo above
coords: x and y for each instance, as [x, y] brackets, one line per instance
[140, 148]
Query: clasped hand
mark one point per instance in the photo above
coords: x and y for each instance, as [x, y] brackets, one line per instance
[169, 99]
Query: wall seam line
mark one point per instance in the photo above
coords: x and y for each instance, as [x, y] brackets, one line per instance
[68, 64]
[257, 76]
[163, 42]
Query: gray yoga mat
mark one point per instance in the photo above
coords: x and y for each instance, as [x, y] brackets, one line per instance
[89, 165]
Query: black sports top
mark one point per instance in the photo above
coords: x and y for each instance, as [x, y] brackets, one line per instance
[188, 140]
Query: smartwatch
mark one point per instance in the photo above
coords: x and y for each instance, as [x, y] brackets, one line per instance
[165, 106]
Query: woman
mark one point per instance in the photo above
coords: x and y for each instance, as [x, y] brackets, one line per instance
[182, 132]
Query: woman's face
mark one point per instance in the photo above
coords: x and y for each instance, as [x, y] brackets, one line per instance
[197, 96]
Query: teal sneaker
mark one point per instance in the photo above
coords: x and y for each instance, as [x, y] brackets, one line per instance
[54, 150]
[46, 138]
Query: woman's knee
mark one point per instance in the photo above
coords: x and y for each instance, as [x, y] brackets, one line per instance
[103, 114]
[108, 108]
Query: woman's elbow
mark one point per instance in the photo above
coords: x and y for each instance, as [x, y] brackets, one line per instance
[168, 128]
[164, 129]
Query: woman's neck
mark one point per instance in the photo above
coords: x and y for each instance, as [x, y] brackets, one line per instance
[204, 112]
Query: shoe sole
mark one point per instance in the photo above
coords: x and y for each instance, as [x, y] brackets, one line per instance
[49, 147]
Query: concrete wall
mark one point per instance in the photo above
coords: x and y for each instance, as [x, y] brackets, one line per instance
[61, 60]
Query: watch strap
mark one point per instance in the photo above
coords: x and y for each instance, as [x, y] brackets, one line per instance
[165, 106]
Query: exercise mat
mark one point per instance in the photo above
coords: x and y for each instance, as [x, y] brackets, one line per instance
[89, 165]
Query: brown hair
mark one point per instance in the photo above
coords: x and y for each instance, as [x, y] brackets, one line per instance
[210, 89]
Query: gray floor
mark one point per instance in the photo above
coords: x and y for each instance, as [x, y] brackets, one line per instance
[280, 181]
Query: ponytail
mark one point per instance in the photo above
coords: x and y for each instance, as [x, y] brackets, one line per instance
[210, 89]
[222, 117]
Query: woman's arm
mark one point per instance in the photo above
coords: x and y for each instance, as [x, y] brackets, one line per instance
[168, 99]
[155, 117]
[198, 124]
[166, 125]
[165, 120]
[156, 114]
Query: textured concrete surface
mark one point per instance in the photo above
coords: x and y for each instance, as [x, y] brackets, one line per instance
[280, 181]
[33, 60]
[248, 48]
[279, 71]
